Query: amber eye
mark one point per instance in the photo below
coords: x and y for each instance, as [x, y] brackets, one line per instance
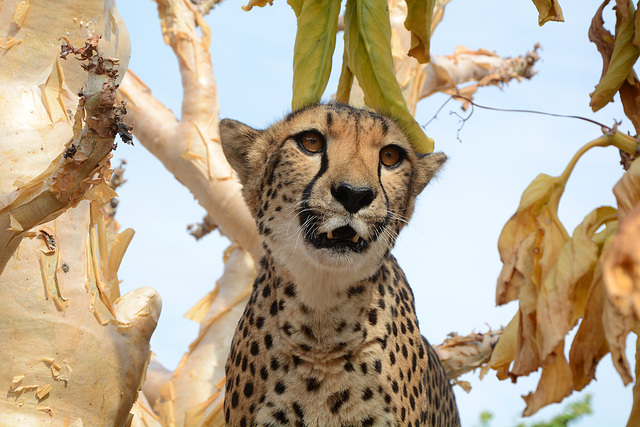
[391, 155]
[311, 141]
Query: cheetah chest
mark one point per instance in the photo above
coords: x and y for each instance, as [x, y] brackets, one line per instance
[362, 363]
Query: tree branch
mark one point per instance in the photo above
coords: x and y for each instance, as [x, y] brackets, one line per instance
[460, 355]
[190, 148]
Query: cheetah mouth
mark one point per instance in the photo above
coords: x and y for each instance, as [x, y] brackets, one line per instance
[342, 238]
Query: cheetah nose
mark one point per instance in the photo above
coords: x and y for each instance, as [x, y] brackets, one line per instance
[353, 198]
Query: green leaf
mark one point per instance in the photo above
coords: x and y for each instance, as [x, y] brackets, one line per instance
[346, 81]
[296, 5]
[418, 22]
[367, 36]
[624, 56]
[548, 10]
[313, 50]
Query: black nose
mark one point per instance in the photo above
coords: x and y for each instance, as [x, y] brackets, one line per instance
[353, 198]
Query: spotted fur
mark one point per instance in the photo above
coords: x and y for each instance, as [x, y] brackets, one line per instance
[330, 335]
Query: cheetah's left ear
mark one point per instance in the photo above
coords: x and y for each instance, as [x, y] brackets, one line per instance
[237, 141]
[428, 167]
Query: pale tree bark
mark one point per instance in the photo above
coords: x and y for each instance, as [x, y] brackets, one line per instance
[74, 351]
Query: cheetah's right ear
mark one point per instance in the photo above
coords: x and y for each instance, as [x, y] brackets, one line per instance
[237, 141]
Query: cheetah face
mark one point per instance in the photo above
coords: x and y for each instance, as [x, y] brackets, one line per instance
[330, 186]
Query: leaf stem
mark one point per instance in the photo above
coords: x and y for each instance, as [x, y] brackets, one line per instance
[618, 139]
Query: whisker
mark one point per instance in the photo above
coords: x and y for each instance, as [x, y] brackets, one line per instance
[295, 217]
[301, 229]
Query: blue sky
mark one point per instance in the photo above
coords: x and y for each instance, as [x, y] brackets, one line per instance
[449, 252]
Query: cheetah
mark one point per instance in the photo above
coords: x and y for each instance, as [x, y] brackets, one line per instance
[329, 336]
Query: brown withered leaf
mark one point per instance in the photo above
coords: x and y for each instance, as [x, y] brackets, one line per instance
[527, 356]
[529, 246]
[548, 10]
[565, 287]
[531, 239]
[627, 190]
[623, 7]
[630, 97]
[634, 418]
[602, 38]
[589, 345]
[505, 350]
[616, 328]
[556, 383]
[621, 271]
[623, 57]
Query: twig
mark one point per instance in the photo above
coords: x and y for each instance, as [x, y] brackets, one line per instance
[509, 110]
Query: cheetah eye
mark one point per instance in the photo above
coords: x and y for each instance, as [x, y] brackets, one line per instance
[391, 155]
[310, 141]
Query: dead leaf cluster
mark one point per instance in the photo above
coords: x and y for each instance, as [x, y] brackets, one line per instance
[588, 278]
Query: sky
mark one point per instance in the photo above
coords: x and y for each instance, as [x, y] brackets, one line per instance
[449, 251]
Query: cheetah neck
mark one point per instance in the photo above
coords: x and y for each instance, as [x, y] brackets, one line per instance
[319, 334]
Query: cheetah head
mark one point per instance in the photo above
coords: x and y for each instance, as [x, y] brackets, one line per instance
[330, 188]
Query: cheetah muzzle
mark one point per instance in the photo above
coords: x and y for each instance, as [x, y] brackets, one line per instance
[329, 336]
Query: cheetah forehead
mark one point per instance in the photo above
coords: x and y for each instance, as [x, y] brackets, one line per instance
[338, 121]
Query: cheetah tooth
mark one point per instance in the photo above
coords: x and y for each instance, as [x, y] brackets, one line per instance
[355, 238]
[330, 235]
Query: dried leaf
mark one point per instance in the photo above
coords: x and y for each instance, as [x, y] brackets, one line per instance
[548, 10]
[634, 418]
[602, 38]
[621, 266]
[529, 246]
[590, 345]
[621, 270]
[627, 190]
[564, 289]
[533, 236]
[624, 55]
[313, 49]
[418, 22]
[616, 328]
[505, 350]
[623, 7]
[368, 52]
[556, 383]
[630, 97]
